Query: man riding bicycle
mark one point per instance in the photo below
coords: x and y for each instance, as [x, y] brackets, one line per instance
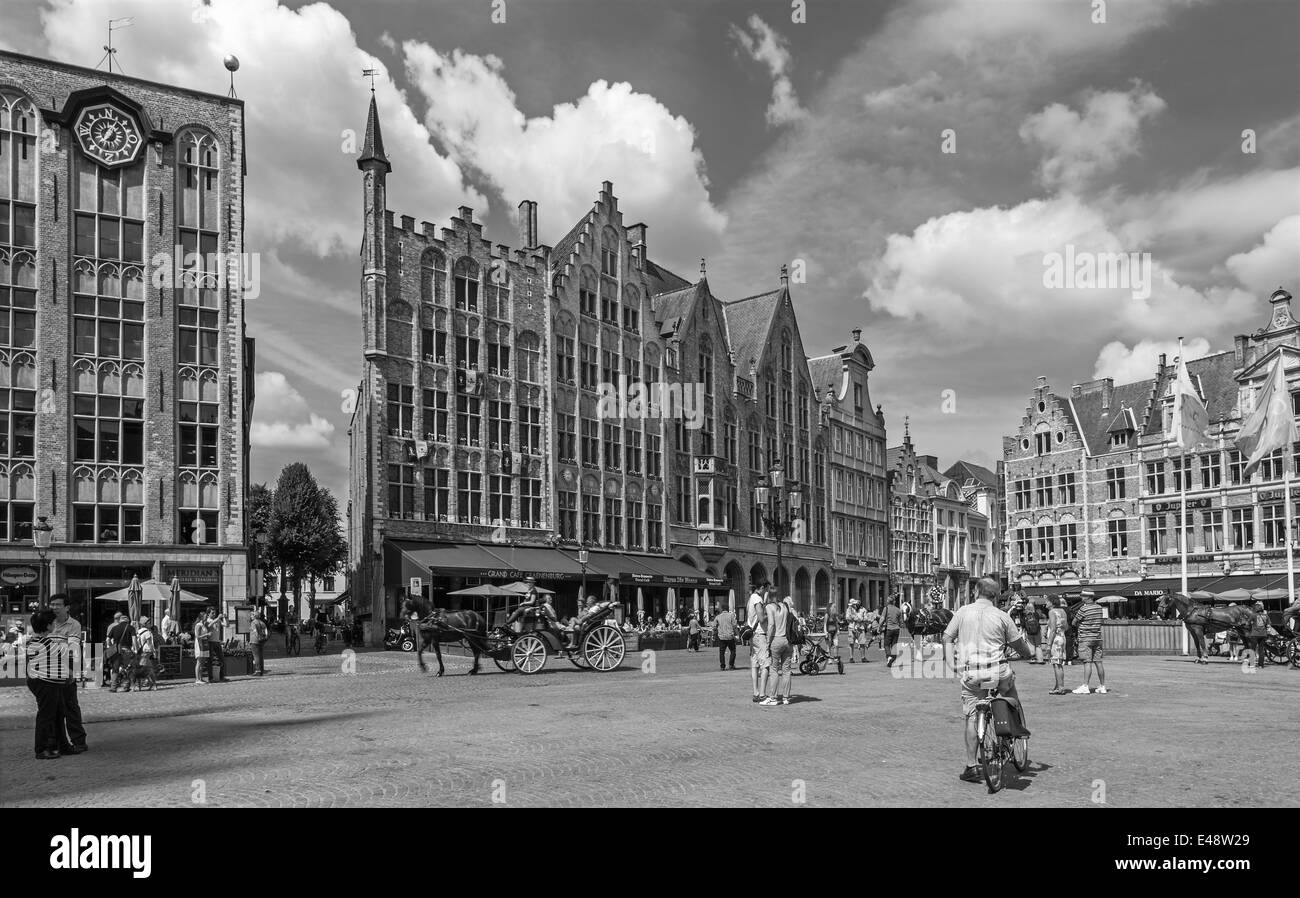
[983, 633]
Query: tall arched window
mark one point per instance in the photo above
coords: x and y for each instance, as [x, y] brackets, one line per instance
[587, 288]
[609, 252]
[17, 299]
[632, 309]
[466, 277]
[530, 357]
[433, 276]
[18, 129]
[17, 502]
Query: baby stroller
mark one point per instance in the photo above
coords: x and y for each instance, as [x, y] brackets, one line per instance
[817, 655]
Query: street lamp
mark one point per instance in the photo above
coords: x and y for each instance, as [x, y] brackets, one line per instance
[583, 557]
[779, 507]
[41, 533]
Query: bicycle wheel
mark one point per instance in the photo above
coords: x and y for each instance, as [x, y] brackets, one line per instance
[1020, 753]
[990, 756]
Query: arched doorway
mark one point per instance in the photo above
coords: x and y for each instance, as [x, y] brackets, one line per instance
[757, 576]
[823, 588]
[735, 576]
[803, 591]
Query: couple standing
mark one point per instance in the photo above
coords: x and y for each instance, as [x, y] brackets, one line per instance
[770, 651]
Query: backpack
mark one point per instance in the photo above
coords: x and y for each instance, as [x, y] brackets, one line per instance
[1029, 619]
[794, 631]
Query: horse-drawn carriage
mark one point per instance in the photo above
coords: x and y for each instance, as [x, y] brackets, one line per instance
[594, 643]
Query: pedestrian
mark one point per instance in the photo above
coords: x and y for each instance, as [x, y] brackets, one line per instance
[724, 625]
[119, 649]
[833, 629]
[1087, 629]
[48, 665]
[170, 628]
[1057, 624]
[1032, 627]
[72, 734]
[202, 656]
[892, 622]
[257, 637]
[759, 660]
[216, 644]
[146, 648]
[1259, 633]
[857, 621]
[778, 616]
[983, 632]
[693, 629]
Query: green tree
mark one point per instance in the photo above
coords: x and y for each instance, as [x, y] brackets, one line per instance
[258, 515]
[305, 535]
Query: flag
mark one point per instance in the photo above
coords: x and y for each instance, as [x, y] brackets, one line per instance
[1271, 426]
[1191, 420]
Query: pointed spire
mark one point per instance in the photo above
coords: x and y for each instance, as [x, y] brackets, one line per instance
[373, 150]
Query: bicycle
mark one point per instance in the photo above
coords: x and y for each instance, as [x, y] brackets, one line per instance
[321, 641]
[996, 731]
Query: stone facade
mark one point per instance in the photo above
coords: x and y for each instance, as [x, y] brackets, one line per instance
[1093, 488]
[127, 369]
[859, 488]
[911, 524]
[490, 411]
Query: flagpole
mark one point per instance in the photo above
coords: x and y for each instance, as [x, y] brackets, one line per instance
[1182, 482]
[1290, 563]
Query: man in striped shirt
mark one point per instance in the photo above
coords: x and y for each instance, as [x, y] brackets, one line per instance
[1087, 626]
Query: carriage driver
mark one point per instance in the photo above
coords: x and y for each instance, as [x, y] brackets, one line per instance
[531, 602]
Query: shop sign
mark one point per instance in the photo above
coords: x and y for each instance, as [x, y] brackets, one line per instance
[192, 575]
[1175, 506]
[19, 576]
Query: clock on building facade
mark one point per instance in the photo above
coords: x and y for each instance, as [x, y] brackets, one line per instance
[108, 135]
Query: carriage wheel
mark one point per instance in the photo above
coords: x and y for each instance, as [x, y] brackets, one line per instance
[407, 644]
[1276, 651]
[507, 665]
[1020, 753]
[529, 654]
[604, 648]
[579, 661]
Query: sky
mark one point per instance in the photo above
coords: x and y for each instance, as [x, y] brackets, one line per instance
[916, 162]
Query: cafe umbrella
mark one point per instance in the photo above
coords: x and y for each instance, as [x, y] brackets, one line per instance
[174, 601]
[133, 599]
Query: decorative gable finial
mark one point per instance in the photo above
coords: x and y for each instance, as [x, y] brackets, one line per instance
[701, 268]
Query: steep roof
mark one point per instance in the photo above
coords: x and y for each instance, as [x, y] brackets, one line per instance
[826, 371]
[373, 148]
[661, 279]
[672, 307]
[966, 470]
[748, 322]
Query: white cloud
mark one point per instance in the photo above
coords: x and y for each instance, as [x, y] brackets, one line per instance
[772, 50]
[282, 418]
[612, 133]
[1274, 262]
[1139, 363]
[1080, 146]
[300, 78]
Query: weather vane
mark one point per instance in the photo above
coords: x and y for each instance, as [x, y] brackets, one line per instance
[369, 73]
[109, 52]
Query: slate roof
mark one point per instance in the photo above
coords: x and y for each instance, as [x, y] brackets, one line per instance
[748, 322]
[965, 470]
[661, 279]
[373, 148]
[826, 371]
[1213, 376]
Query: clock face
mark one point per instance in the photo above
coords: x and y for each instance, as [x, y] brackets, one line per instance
[108, 135]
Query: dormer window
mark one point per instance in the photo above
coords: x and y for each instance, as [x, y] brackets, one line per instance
[1119, 440]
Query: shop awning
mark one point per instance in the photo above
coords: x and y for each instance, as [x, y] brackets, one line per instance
[1050, 590]
[420, 559]
[656, 570]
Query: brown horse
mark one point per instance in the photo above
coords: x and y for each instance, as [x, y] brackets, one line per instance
[440, 625]
[1201, 619]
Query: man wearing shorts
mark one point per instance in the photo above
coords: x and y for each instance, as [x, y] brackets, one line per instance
[1057, 623]
[983, 632]
[760, 661]
[833, 629]
[1087, 628]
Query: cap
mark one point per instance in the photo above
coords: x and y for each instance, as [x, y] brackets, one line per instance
[1087, 594]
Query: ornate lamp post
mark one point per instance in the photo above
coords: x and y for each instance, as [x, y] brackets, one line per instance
[41, 534]
[583, 557]
[779, 507]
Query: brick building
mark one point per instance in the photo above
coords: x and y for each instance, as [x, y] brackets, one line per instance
[859, 489]
[127, 374]
[984, 492]
[491, 440]
[911, 523]
[1094, 482]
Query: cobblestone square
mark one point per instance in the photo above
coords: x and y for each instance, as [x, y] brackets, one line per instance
[685, 734]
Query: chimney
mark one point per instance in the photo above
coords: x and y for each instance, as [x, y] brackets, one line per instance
[527, 224]
[1107, 392]
[1239, 350]
[465, 214]
[1161, 369]
[857, 335]
[636, 235]
[702, 275]
[1076, 391]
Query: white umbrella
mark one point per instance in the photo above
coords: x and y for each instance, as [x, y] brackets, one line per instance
[672, 598]
[731, 600]
[640, 600]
